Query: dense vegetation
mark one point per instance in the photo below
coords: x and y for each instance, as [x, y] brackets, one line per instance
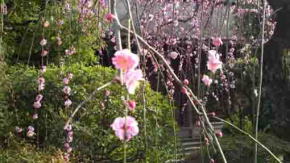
[203, 56]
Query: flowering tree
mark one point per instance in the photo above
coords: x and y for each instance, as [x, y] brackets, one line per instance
[189, 48]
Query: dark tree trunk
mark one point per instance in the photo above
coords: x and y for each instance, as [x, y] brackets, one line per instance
[276, 71]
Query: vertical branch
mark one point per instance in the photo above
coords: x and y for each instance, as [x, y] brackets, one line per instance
[260, 82]
[117, 29]
[200, 51]
[131, 19]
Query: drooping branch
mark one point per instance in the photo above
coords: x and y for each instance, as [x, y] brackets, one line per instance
[190, 95]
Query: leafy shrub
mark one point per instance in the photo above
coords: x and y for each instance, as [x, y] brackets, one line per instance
[23, 152]
[27, 18]
[93, 138]
[239, 148]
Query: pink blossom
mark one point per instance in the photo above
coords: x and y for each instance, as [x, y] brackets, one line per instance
[66, 156]
[65, 81]
[69, 150]
[43, 42]
[35, 116]
[30, 133]
[213, 62]
[67, 127]
[18, 129]
[44, 53]
[150, 17]
[59, 42]
[197, 123]
[41, 87]
[175, 23]
[217, 41]
[107, 93]
[212, 114]
[30, 128]
[131, 80]
[206, 80]
[131, 105]
[69, 139]
[70, 51]
[173, 55]
[70, 133]
[66, 90]
[46, 24]
[124, 60]
[67, 103]
[125, 127]
[206, 141]
[66, 145]
[41, 80]
[109, 17]
[70, 75]
[102, 3]
[171, 41]
[36, 105]
[113, 39]
[185, 82]
[39, 97]
[183, 90]
[219, 134]
[43, 69]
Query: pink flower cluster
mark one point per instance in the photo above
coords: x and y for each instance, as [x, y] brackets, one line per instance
[67, 90]
[109, 17]
[217, 41]
[213, 63]
[102, 3]
[37, 104]
[68, 140]
[41, 83]
[127, 63]
[70, 51]
[43, 43]
[131, 104]
[206, 80]
[30, 131]
[125, 128]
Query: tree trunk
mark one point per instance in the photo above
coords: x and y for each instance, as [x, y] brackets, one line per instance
[277, 71]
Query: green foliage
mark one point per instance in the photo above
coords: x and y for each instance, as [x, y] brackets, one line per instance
[94, 140]
[24, 30]
[243, 123]
[22, 152]
[239, 148]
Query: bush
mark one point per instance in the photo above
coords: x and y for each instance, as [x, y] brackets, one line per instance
[21, 45]
[22, 152]
[239, 148]
[94, 140]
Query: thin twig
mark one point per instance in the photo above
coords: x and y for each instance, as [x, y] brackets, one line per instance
[85, 101]
[131, 19]
[260, 82]
[117, 28]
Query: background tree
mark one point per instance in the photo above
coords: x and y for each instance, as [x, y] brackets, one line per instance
[276, 71]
